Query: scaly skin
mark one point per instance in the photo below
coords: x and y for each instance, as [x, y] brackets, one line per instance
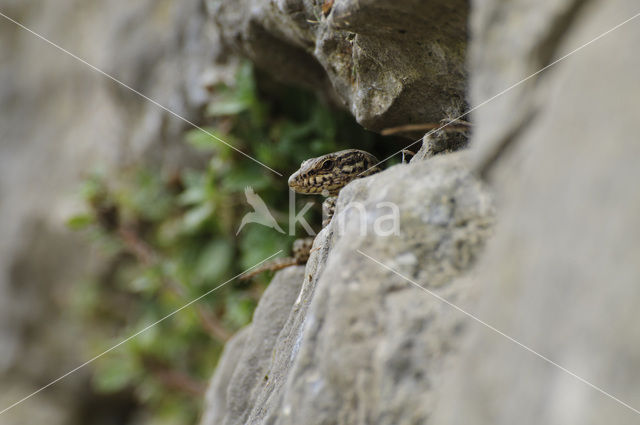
[324, 175]
[329, 173]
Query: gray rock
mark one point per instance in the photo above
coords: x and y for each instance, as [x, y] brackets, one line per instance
[445, 140]
[216, 397]
[244, 366]
[270, 316]
[561, 274]
[362, 344]
[390, 62]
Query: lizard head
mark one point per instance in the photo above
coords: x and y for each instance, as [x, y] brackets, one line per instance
[329, 173]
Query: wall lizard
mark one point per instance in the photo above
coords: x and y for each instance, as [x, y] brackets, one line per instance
[324, 175]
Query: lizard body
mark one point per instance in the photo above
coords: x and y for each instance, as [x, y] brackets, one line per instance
[324, 175]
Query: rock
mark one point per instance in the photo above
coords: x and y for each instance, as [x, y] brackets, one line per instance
[390, 62]
[252, 371]
[561, 273]
[442, 141]
[216, 397]
[362, 344]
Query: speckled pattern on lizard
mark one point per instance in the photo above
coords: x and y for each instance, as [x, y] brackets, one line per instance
[324, 175]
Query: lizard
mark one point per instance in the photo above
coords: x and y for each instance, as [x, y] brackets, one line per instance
[325, 175]
[329, 173]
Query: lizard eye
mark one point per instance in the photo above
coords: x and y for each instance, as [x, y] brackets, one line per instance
[327, 165]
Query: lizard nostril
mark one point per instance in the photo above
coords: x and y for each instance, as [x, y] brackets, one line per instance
[294, 180]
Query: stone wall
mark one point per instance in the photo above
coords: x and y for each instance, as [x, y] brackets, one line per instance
[561, 273]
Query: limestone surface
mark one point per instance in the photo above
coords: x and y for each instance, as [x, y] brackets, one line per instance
[561, 274]
[390, 62]
[363, 343]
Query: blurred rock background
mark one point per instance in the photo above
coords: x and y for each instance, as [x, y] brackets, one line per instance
[59, 118]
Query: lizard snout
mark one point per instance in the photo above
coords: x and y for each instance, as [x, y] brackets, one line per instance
[293, 179]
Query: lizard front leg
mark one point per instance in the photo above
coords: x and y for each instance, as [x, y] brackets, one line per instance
[328, 208]
[300, 254]
[302, 249]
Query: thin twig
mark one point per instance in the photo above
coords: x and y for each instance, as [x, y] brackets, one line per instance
[174, 379]
[459, 126]
[277, 264]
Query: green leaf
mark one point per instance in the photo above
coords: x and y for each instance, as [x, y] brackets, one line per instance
[214, 260]
[150, 199]
[194, 195]
[240, 98]
[147, 341]
[114, 373]
[208, 139]
[223, 107]
[239, 310]
[148, 282]
[200, 140]
[259, 242]
[196, 217]
[93, 186]
[80, 221]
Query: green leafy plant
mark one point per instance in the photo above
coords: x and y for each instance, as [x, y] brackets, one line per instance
[167, 238]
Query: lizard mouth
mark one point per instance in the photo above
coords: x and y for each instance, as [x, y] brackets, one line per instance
[306, 184]
[294, 181]
[297, 183]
